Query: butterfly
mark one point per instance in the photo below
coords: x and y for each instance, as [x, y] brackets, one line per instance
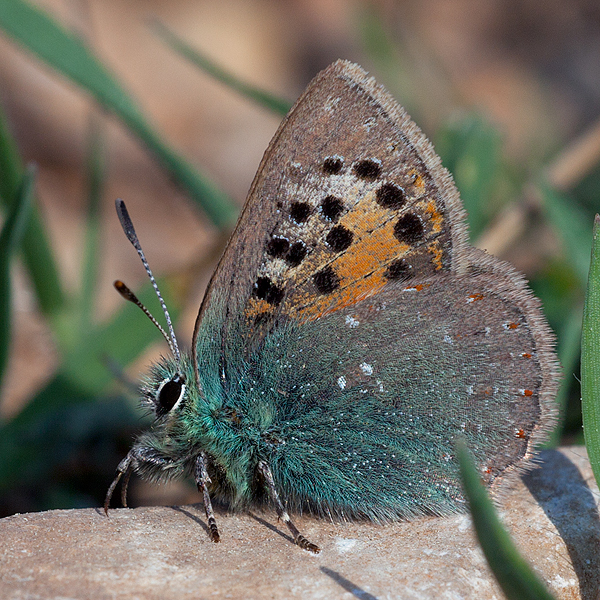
[349, 333]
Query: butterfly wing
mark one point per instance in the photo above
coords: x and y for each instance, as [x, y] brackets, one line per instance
[349, 195]
[377, 392]
[352, 219]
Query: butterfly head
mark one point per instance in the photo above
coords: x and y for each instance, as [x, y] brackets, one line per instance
[168, 391]
[164, 397]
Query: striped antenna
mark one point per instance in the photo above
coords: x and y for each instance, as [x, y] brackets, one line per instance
[129, 230]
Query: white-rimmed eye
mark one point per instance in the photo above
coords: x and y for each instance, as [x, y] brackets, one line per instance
[169, 395]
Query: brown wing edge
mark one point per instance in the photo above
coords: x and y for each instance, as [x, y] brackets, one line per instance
[511, 285]
[357, 76]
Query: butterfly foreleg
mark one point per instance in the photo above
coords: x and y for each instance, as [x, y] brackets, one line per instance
[202, 478]
[299, 539]
[138, 457]
[125, 467]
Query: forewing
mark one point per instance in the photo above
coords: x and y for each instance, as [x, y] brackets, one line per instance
[349, 196]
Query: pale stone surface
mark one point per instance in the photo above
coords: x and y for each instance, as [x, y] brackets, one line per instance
[164, 553]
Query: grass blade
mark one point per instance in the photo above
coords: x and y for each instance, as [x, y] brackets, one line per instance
[36, 451]
[67, 54]
[590, 357]
[514, 575]
[10, 238]
[37, 253]
[82, 379]
[90, 266]
[263, 98]
[11, 167]
[571, 225]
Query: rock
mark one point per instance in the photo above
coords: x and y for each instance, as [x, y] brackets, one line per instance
[165, 552]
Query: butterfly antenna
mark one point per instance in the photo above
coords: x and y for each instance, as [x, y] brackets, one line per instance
[129, 230]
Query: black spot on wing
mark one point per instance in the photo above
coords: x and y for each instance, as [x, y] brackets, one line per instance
[277, 247]
[300, 211]
[332, 165]
[399, 270]
[326, 280]
[390, 195]
[409, 229]
[296, 254]
[266, 290]
[339, 238]
[367, 169]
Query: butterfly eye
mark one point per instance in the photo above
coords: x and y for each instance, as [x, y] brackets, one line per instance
[169, 395]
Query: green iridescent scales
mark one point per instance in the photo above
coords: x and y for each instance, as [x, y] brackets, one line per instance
[350, 334]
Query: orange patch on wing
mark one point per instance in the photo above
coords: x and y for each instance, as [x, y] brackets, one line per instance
[417, 288]
[438, 254]
[417, 179]
[256, 307]
[436, 217]
[371, 251]
[344, 297]
[360, 269]
[475, 297]
[373, 245]
[366, 216]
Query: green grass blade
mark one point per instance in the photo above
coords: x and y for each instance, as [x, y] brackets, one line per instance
[90, 266]
[590, 357]
[514, 575]
[38, 257]
[377, 41]
[67, 54]
[263, 98]
[82, 379]
[391, 61]
[10, 237]
[571, 225]
[37, 253]
[35, 451]
[122, 340]
[11, 167]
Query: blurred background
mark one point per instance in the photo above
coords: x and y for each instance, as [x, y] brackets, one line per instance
[508, 91]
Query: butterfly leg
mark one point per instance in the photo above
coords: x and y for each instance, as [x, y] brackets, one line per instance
[125, 467]
[299, 539]
[202, 478]
[136, 456]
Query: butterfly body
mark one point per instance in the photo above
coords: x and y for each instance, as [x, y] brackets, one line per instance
[349, 431]
[350, 334]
